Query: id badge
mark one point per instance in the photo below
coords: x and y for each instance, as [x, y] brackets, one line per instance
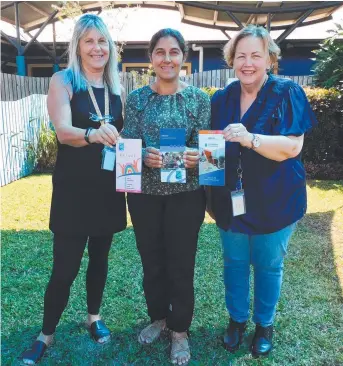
[108, 158]
[238, 202]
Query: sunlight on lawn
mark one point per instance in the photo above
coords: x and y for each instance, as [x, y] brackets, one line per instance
[309, 316]
[26, 206]
[325, 197]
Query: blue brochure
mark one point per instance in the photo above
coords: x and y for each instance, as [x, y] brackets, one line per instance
[172, 146]
[212, 158]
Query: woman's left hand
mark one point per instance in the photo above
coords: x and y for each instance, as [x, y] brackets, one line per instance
[236, 132]
[191, 158]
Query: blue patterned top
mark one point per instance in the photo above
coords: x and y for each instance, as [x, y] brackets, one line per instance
[146, 112]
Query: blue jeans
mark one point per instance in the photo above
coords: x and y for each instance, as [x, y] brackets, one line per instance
[266, 253]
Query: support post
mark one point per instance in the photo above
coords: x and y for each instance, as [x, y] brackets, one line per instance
[21, 67]
[20, 58]
[55, 68]
[54, 38]
[17, 26]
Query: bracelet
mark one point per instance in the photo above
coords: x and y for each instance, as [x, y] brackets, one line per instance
[87, 133]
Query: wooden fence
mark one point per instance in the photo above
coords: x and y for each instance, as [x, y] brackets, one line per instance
[24, 112]
[15, 87]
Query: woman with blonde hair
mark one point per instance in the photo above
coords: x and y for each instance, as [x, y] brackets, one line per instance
[85, 107]
[264, 119]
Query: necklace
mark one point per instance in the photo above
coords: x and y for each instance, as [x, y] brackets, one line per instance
[99, 117]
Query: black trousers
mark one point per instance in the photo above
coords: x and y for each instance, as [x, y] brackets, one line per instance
[68, 252]
[166, 229]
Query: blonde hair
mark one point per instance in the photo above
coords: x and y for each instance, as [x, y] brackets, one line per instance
[74, 72]
[251, 31]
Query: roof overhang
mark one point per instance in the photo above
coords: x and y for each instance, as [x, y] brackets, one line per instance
[233, 15]
[222, 15]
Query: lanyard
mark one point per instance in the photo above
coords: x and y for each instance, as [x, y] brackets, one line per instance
[100, 118]
[239, 184]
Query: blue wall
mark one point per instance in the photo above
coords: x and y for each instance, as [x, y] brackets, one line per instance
[294, 61]
[295, 66]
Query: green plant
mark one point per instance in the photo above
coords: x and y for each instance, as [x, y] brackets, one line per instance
[328, 68]
[210, 90]
[325, 143]
[42, 153]
[143, 78]
[46, 149]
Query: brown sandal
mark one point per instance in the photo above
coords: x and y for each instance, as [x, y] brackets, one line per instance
[150, 333]
[180, 349]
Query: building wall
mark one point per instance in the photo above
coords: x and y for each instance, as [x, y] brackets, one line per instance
[296, 59]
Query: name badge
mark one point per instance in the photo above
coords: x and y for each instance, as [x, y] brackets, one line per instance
[108, 158]
[238, 202]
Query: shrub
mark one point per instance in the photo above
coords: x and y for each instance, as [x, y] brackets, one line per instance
[210, 90]
[326, 171]
[328, 68]
[46, 152]
[42, 154]
[325, 143]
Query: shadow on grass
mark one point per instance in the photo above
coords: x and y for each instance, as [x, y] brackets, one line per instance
[326, 185]
[309, 313]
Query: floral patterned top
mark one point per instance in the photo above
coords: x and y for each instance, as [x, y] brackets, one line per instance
[146, 112]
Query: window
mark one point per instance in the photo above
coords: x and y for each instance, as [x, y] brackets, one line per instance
[42, 70]
[143, 67]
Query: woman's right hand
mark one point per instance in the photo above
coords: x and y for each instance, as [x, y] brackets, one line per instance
[153, 158]
[106, 134]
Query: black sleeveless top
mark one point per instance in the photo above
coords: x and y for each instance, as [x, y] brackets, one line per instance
[84, 197]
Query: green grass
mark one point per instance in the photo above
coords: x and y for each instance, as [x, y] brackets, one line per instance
[309, 322]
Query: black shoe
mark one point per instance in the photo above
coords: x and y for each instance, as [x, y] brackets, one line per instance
[262, 342]
[34, 354]
[233, 336]
[99, 331]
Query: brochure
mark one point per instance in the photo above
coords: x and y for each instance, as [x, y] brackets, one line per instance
[172, 147]
[212, 158]
[129, 165]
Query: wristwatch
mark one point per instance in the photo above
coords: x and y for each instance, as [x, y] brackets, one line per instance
[255, 142]
[87, 133]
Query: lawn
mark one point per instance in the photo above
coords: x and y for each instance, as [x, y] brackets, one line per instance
[309, 323]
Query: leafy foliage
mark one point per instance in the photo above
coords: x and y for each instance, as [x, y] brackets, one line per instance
[42, 154]
[329, 66]
[145, 77]
[210, 90]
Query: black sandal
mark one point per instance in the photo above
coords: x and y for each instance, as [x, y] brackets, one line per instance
[33, 355]
[99, 330]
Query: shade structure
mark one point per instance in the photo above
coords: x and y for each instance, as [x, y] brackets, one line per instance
[223, 15]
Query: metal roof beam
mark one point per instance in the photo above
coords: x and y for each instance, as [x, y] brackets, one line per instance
[17, 26]
[225, 34]
[59, 59]
[235, 19]
[52, 56]
[269, 20]
[252, 17]
[263, 10]
[3, 7]
[51, 16]
[288, 31]
[8, 39]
